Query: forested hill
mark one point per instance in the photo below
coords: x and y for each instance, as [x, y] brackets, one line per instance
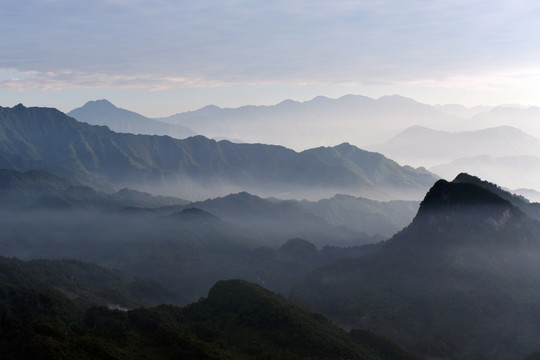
[46, 139]
[42, 318]
[460, 282]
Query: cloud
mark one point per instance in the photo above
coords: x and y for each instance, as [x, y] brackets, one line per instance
[164, 43]
[69, 79]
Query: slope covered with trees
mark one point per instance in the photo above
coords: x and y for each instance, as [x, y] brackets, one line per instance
[460, 282]
[46, 139]
[40, 318]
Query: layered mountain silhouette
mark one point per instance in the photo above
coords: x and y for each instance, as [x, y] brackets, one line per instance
[462, 111]
[102, 112]
[342, 220]
[46, 139]
[475, 132]
[460, 282]
[420, 145]
[179, 245]
[509, 171]
[360, 214]
[341, 216]
[318, 122]
[36, 189]
[525, 119]
[529, 194]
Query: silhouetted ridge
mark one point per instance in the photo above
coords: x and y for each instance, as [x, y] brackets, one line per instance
[98, 105]
[460, 282]
[193, 214]
[103, 112]
[531, 209]
[444, 194]
[235, 295]
[46, 139]
[290, 329]
[516, 200]
[465, 213]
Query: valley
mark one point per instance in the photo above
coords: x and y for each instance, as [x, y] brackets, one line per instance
[269, 180]
[452, 276]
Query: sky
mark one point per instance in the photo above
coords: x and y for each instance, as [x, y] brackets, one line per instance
[162, 57]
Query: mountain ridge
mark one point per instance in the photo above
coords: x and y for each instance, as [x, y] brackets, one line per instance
[513, 172]
[320, 121]
[34, 138]
[461, 279]
[409, 146]
[103, 112]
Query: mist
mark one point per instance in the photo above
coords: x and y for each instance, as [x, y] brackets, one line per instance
[184, 251]
[338, 229]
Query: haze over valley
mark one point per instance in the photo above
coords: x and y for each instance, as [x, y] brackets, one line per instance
[71, 190]
[269, 180]
[446, 140]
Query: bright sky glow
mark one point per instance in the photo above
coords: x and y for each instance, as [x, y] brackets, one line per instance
[166, 56]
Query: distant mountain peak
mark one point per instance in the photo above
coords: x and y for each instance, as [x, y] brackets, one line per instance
[287, 102]
[398, 98]
[345, 145]
[195, 214]
[210, 108]
[103, 112]
[464, 177]
[103, 103]
[321, 98]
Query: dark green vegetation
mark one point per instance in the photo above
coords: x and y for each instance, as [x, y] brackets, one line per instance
[46, 139]
[45, 314]
[84, 284]
[460, 282]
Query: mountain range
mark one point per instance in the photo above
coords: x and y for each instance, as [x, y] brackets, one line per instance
[462, 111]
[37, 188]
[176, 243]
[399, 128]
[317, 221]
[351, 219]
[460, 282]
[321, 121]
[509, 171]
[102, 112]
[421, 146]
[523, 118]
[504, 154]
[46, 139]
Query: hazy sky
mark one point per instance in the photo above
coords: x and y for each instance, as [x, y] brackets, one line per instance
[165, 56]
